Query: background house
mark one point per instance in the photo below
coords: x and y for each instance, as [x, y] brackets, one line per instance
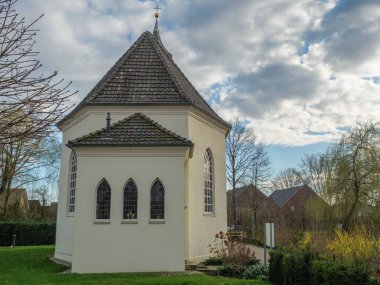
[252, 205]
[17, 204]
[300, 208]
[291, 209]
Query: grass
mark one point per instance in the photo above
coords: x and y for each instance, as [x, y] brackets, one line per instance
[30, 265]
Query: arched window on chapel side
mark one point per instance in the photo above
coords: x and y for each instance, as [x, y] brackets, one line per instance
[208, 182]
[72, 184]
[103, 201]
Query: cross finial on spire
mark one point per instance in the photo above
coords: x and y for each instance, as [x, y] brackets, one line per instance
[156, 32]
[157, 8]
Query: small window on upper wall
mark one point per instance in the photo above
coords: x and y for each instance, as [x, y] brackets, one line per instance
[208, 182]
[157, 201]
[103, 201]
[72, 183]
[130, 201]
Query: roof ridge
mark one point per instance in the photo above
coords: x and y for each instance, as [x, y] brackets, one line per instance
[172, 77]
[188, 81]
[296, 188]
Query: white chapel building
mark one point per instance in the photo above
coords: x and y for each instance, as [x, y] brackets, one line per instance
[143, 174]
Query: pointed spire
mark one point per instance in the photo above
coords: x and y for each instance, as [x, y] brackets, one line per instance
[156, 31]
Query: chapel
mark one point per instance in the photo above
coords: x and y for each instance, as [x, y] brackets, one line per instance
[143, 173]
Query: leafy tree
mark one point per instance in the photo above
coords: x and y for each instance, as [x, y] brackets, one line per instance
[356, 166]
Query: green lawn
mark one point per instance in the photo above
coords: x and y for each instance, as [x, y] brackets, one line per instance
[31, 265]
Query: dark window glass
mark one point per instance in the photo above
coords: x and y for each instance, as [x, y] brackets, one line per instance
[103, 201]
[157, 201]
[130, 201]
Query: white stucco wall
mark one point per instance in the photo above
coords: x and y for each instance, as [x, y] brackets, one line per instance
[118, 247]
[141, 247]
[92, 119]
[202, 227]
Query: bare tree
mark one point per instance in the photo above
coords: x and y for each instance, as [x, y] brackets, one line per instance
[287, 178]
[27, 161]
[37, 99]
[240, 151]
[260, 175]
[44, 196]
[316, 170]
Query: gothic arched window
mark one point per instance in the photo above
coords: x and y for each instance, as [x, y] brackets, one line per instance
[208, 179]
[103, 201]
[72, 183]
[130, 201]
[157, 201]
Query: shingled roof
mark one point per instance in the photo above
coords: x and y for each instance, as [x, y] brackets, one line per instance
[145, 75]
[136, 130]
[280, 197]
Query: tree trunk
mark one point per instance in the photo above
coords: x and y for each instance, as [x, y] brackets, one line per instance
[347, 220]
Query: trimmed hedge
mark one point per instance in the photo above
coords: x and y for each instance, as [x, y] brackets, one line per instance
[296, 268]
[324, 272]
[275, 268]
[27, 233]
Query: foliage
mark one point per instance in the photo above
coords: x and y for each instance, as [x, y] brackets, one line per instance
[358, 246]
[232, 251]
[31, 265]
[213, 261]
[306, 268]
[303, 241]
[27, 233]
[296, 268]
[258, 271]
[334, 273]
[346, 176]
[232, 270]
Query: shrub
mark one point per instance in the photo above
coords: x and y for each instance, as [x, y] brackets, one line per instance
[258, 271]
[232, 251]
[358, 246]
[336, 273]
[293, 268]
[27, 233]
[230, 270]
[213, 261]
[275, 269]
[296, 268]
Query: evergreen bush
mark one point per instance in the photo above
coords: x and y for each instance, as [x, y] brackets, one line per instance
[27, 233]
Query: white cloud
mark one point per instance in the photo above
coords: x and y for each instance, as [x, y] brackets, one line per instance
[298, 70]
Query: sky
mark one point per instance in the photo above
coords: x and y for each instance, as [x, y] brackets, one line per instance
[299, 72]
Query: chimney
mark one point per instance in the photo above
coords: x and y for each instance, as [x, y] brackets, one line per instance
[108, 123]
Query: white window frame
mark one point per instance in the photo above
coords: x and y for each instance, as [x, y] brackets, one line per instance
[71, 193]
[208, 183]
